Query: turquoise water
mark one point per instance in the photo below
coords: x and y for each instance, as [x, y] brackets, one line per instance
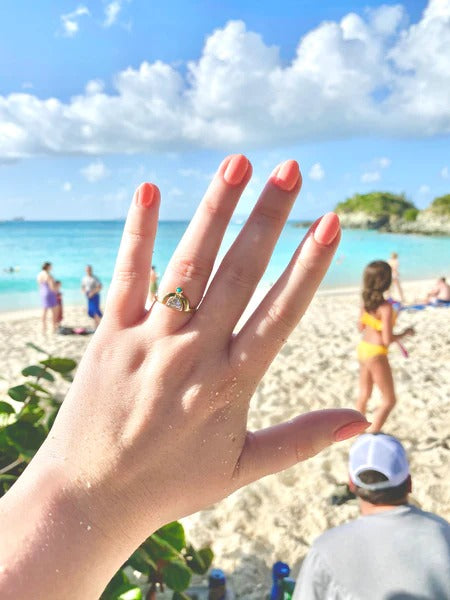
[72, 245]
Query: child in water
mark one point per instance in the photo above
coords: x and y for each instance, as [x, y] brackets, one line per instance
[376, 321]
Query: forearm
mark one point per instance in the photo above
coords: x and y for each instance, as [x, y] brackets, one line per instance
[50, 546]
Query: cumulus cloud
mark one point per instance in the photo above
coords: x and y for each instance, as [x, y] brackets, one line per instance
[69, 22]
[361, 76]
[370, 176]
[445, 173]
[383, 162]
[112, 10]
[316, 172]
[95, 171]
[66, 186]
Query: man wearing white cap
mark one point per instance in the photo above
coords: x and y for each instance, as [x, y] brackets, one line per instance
[393, 551]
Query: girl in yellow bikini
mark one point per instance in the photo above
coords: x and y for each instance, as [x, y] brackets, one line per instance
[376, 321]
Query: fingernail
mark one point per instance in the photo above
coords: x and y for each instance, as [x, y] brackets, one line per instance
[144, 195]
[349, 430]
[286, 175]
[327, 229]
[236, 169]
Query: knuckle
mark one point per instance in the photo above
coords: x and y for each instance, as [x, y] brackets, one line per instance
[215, 209]
[134, 235]
[281, 317]
[269, 215]
[192, 268]
[240, 276]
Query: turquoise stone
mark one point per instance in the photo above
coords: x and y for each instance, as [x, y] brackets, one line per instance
[179, 290]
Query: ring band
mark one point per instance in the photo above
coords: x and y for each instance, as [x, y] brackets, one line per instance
[177, 301]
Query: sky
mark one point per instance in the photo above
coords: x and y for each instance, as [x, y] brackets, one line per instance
[96, 97]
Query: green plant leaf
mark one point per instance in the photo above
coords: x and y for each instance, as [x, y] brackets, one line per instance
[140, 561]
[199, 560]
[19, 393]
[173, 534]
[158, 549]
[6, 408]
[180, 596]
[60, 365]
[38, 388]
[37, 371]
[25, 437]
[176, 575]
[31, 345]
[31, 413]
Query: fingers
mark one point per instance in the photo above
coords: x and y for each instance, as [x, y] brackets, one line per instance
[130, 284]
[276, 448]
[279, 313]
[193, 260]
[247, 259]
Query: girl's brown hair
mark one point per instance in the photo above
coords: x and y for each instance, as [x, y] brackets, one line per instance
[377, 279]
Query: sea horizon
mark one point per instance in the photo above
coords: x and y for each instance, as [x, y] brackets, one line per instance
[71, 244]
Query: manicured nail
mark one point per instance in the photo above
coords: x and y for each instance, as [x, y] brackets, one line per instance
[144, 195]
[286, 175]
[327, 229]
[236, 169]
[349, 430]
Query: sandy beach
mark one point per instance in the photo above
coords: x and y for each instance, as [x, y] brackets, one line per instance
[279, 517]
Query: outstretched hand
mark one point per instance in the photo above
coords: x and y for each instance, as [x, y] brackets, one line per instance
[155, 423]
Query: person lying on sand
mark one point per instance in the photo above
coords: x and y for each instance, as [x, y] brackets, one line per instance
[440, 292]
[154, 426]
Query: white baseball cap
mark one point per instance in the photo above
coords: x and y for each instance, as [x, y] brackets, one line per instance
[382, 453]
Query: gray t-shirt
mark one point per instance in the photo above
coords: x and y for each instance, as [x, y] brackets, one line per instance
[89, 283]
[400, 554]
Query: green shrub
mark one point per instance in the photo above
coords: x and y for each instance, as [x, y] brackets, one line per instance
[376, 204]
[410, 214]
[441, 205]
[164, 559]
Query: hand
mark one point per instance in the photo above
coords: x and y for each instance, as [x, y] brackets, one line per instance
[155, 424]
[409, 331]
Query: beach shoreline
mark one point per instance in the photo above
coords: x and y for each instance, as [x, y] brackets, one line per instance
[279, 517]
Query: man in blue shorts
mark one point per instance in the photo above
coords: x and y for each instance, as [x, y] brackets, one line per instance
[393, 551]
[91, 286]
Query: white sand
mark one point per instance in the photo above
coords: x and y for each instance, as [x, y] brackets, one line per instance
[279, 517]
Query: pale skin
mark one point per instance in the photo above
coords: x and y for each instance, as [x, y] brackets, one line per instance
[155, 424]
[377, 370]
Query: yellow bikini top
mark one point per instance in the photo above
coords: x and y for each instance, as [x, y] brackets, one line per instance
[373, 322]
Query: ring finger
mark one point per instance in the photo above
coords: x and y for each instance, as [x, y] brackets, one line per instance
[191, 265]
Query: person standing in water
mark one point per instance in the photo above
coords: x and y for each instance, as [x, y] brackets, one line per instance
[376, 322]
[47, 291]
[395, 285]
[91, 286]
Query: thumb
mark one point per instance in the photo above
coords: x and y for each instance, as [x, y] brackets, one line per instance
[276, 448]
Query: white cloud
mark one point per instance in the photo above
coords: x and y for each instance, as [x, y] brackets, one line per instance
[66, 186]
[316, 172]
[445, 173]
[95, 172]
[176, 192]
[424, 189]
[112, 11]
[27, 85]
[370, 177]
[383, 162]
[69, 22]
[357, 77]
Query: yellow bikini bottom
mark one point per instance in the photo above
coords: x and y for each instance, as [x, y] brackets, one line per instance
[367, 350]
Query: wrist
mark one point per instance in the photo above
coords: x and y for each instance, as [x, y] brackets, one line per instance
[51, 525]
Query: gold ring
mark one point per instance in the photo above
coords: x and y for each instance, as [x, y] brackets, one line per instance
[177, 300]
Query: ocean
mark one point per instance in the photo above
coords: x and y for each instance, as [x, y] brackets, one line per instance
[70, 245]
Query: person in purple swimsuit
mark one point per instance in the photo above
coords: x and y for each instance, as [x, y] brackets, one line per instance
[47, 290]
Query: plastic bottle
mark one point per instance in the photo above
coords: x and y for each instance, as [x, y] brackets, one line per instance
[282, 586]
[217, 585]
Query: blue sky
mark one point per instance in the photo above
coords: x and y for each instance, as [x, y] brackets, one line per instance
[98, 96]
